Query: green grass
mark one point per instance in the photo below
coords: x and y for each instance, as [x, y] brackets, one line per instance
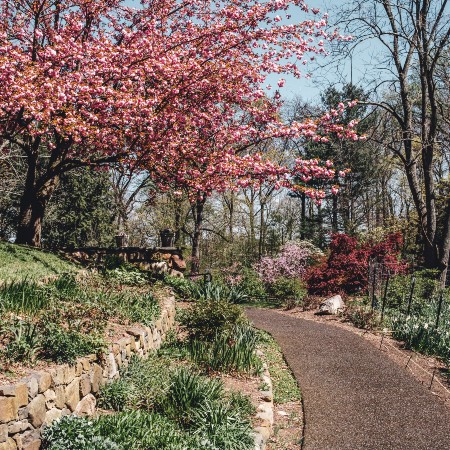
[285, 387]
[18, 262]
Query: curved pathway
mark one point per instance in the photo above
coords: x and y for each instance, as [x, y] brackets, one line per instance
[354, 396]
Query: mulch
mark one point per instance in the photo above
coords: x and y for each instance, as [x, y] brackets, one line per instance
[354, 396]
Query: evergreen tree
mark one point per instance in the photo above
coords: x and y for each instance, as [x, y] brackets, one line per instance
[81, 211]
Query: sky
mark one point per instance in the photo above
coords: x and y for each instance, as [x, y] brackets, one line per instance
[309, 89]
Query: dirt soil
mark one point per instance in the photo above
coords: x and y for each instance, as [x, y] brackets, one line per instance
[288, 427]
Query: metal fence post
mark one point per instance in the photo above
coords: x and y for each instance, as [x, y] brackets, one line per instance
[374, 299]
[385, 296]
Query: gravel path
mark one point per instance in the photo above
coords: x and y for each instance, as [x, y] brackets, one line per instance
[354, 396]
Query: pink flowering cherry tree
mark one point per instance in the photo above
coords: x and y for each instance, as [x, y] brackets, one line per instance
[172, 87]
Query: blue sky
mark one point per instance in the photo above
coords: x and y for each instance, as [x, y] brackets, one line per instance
[310, 89]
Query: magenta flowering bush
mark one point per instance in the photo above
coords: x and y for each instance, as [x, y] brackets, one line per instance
[292, 262]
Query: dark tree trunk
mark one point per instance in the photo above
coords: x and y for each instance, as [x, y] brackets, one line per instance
[197, 212]
[37, 193]
[334, 218]
[303, 218]
[177, 222]
[32, 210]
[262, 232]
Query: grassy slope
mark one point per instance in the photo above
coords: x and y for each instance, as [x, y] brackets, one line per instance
[18, 262]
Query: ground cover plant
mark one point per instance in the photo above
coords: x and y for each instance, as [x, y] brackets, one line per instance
[285, 387]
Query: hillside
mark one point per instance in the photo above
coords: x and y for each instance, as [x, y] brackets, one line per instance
[18, 262]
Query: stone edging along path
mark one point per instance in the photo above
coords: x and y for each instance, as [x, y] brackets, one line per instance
[41, 397]
[265, 410]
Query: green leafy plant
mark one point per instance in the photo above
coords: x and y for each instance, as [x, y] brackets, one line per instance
[75, 433]
[207, 318]
[242, 404]
[143, 384]
[285, 387]
[362, 316]
[116, 395]
[222, 428]
[183, 287]
[187, 393]
[251, 284]
[116, 270]
[290, 290]
[23, 296]
[23, 341]
[62, 345]
[231, 350]
[142, 309]
[141, 430]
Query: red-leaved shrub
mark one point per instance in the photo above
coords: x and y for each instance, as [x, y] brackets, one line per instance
[346, 268]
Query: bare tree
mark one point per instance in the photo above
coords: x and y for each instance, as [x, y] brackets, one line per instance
[412, 37]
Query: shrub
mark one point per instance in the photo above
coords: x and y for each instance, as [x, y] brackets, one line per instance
[245, 279]
[251, 284]
[288, 289]
[291, 263]
[206, 318]
[346, 268]
[426, 286]
[183, 287]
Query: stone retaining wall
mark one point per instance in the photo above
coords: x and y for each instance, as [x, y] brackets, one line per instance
[40, 398]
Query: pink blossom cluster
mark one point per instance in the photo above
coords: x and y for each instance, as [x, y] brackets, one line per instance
[172, 87]
[292, 262]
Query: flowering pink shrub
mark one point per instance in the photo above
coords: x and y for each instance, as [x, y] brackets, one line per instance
[292, 262]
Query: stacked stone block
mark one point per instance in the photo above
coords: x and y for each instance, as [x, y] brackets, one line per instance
[42, 397]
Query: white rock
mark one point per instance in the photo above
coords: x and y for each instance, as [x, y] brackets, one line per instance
[332, 305]
[86, 406]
